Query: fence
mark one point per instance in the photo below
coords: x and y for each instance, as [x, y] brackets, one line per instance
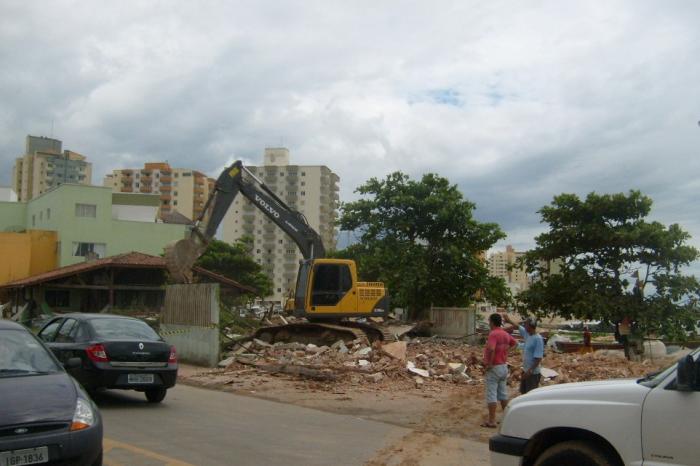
[190, 321]
[454, 322]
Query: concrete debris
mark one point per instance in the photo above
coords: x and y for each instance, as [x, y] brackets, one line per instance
[397, 365]
[227, 362]
[548, 373]
[376, 377]
[396, 350]
[412, 368]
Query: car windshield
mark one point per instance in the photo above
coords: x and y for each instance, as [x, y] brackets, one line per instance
[123, 329]
[21, 354]
[655, 378]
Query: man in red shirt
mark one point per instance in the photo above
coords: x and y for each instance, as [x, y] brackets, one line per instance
[496, 368]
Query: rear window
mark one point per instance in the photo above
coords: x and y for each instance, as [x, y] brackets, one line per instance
[22, 354]
[123, 329]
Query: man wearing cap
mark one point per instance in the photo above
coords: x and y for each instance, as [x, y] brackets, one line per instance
[533, 352]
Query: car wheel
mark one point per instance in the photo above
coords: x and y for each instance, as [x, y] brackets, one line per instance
[575, 453]
[98, 460]
[155, 395]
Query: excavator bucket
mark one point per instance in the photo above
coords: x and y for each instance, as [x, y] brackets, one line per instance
[180, 257]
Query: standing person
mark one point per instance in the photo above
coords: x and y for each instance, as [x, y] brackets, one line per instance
[495, 367]
[532, 354]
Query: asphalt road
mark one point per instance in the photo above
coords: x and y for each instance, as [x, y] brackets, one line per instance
[194, 426]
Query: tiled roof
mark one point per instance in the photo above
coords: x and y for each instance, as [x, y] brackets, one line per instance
[126, 260]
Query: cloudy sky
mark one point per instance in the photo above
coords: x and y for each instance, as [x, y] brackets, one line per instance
[513, 101]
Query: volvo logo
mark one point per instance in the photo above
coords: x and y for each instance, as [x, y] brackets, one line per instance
[266, 206]
[21, 430]
[140, 346]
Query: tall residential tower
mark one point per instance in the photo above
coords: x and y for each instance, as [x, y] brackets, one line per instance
[44, 165]
[309, 189]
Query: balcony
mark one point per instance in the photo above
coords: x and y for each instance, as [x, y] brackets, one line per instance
[145, 189]
[166, 188]
[269, 236]
[127, 189]
[146, 180]
[165, 179]
[165, 197]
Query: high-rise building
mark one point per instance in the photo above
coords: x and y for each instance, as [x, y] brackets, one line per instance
[181, 190]
[503, 264]
[309, 189]
[44, 165]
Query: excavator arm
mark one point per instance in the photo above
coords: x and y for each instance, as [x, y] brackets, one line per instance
[181, 256]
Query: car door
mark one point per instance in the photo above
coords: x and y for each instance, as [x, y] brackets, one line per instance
[63, 343]
[669, 425]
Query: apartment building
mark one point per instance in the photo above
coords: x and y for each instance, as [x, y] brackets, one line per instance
[45, 165]
[181, 190]
[89, 221]
[309, 189]
[500, 264]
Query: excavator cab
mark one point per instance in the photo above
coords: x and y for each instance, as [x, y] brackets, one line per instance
[329, 289]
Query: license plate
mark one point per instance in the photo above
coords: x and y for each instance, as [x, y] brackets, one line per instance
[22, 457]
[140, 378]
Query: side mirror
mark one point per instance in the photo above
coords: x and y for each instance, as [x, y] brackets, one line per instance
[687, 375]
[73, 363]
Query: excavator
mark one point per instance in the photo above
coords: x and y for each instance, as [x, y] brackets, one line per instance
[327, 292]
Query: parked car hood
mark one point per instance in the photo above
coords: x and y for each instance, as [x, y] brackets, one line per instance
[37, 398]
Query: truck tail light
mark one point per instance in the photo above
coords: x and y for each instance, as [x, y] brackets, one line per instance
[173, 356]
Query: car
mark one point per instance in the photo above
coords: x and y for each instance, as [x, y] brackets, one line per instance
[116, 352]
[45, 415]
[652, 420]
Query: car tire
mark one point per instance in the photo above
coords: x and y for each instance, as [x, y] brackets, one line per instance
[98, 460]
[576, 453]
[156, 395]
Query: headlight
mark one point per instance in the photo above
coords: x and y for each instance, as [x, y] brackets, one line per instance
[84, 416]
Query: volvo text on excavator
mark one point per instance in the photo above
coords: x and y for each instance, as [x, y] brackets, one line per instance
[327, 290]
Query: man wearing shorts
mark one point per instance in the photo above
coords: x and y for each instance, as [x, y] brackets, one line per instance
[496, 368]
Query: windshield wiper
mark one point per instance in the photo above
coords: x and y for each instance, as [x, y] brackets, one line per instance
[649, 376]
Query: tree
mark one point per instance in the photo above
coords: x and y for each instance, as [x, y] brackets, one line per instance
[614, 264]
[420, 239]
[234, 261]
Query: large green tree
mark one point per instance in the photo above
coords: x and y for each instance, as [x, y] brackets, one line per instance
[602, 259]
[234, 261]
[421, 240]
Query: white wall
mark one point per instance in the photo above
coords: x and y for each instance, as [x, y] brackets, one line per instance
[7, 194]
[135, 213]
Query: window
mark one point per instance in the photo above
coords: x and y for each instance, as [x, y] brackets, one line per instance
[49, 332]
[86, 210]
[48, 213]
[303, 193]
[303, 173]
[187, 174]
[303, 183]
[331, 283]
[63, 335]
[85, 249]
[41, 215]
[174, 202]
[175, 193]
[33, 220]
[137, 185]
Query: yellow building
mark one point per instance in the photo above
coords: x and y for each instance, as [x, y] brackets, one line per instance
[26, 254]
[502, 264]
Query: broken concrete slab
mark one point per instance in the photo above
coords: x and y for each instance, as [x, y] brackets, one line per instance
[376, 377]
[412, 368]
[363, 351]
[456, 367]
[396, 350]
[226, 362]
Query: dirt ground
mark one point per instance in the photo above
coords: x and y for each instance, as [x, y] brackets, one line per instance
[430, 406]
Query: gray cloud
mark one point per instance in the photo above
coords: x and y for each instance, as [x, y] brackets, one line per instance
[513, 104]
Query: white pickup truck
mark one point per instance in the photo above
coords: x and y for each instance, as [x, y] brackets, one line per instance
[647, 422]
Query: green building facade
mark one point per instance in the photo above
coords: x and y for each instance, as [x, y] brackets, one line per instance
[91, 221]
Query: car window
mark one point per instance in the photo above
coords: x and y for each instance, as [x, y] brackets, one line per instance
[123, 329]
[21, 354]
[64, 332]
[49, 331]
[79, 332]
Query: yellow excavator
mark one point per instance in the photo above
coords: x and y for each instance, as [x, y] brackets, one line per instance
[327, 291]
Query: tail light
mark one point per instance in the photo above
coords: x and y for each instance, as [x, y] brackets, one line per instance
[173, 356]
[97, 353]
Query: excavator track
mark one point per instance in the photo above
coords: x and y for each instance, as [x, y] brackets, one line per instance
[321, 333]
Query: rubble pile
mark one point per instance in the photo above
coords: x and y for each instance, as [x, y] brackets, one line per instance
[417, 363]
